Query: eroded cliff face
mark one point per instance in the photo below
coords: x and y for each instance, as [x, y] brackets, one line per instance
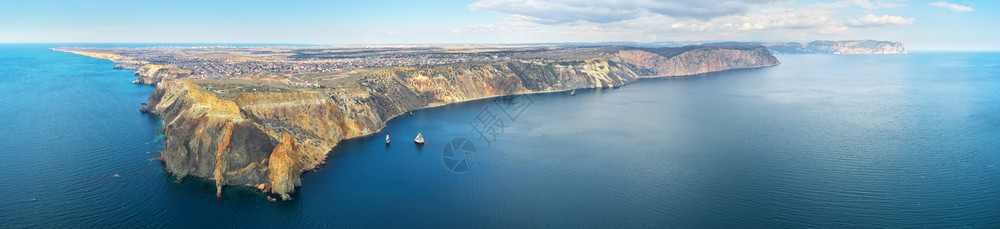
[210, 138]
[258, 140]
[264, 140]
[284, 168]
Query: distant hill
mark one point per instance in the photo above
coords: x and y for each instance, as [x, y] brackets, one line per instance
[830, 47]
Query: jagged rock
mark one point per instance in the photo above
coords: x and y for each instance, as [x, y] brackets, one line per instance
[284, 167]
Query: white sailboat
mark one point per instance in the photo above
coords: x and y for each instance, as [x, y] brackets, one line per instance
[419, 139]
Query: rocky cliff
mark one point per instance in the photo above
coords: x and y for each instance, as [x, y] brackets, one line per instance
[264, 140]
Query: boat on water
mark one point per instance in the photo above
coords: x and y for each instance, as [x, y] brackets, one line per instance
[572, 93]
[386, 139]
[419, 139]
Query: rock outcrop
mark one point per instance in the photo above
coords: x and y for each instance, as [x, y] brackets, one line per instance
[265, 140]
[284, 167]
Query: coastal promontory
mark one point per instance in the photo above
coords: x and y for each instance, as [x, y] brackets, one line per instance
[258, 117]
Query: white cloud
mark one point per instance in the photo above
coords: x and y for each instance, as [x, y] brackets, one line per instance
[951, 6]
[868, 4]
[875, 21]
[569, 11]
[780, 21]
[807, 17]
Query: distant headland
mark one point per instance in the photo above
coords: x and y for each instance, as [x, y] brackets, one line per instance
[828, 47]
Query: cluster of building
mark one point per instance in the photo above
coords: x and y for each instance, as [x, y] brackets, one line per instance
[417, 59]
[303, 84]
[287, 64]
[222, 68]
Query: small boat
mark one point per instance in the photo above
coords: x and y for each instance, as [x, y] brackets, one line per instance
[419, 140]
[386, 139]
[572, 93]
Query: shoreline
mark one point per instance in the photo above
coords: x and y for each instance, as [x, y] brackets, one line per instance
[359, 112]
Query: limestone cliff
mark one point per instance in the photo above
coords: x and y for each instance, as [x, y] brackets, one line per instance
[284, 167]
[264, 140]
[209, 137]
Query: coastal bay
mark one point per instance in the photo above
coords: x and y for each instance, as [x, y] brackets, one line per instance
[896, 141]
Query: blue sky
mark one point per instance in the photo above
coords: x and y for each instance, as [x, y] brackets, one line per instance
[921, 25]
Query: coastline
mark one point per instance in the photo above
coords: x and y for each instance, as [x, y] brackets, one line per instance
[256, 121]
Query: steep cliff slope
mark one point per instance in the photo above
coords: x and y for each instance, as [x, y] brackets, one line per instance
[264, 140]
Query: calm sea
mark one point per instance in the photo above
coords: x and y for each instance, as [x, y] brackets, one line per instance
[820, 141]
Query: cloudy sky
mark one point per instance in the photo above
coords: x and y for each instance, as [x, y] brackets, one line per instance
[921, 25]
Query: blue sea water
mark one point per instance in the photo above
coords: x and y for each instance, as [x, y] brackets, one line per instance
[820, 141]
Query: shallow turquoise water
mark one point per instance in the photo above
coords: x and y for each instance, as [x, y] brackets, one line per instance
[819, 141]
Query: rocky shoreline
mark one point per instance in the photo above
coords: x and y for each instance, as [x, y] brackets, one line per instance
[265, 140]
